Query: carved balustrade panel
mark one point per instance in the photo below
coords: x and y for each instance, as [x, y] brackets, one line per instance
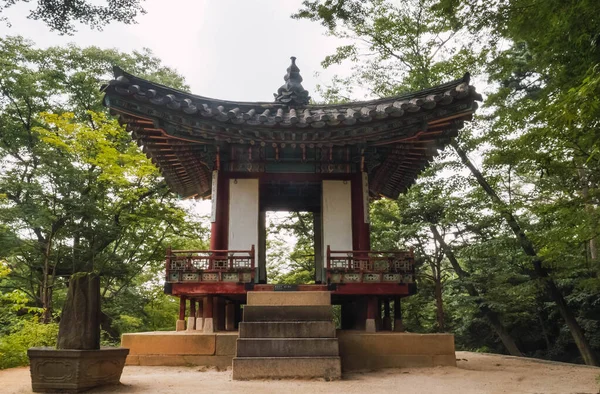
[234, 266]
[370, 266]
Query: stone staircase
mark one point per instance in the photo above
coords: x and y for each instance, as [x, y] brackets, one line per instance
[287, 335]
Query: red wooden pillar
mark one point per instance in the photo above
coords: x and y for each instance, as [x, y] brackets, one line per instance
[361, 238]
[182, 300]
[200, 315]
[200, 310]
[207, 309]
[219, 231]
[398, 325]
[219, 313]
[180, 325]
[387, 320]
[208, 314]
[229, 316]
[191, 321]
[193, 308]
[378, 321]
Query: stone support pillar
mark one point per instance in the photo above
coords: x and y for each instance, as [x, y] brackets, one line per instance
[398, 326]
[370, 325]
[180, 326]
[229, 316]
[191, 320]
[387, 320]
[208, 327]
[200, 315]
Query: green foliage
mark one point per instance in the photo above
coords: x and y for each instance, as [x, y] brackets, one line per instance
[62, 16]
[395, 48]
[20, 328]
[25, 334]
[77, 194]
[537, 141]
[298, 265]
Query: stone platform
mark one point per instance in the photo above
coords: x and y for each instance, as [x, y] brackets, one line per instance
[372, 351]
[358, 350]
[180, 348]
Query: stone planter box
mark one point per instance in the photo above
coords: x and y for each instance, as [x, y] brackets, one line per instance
[73, 371]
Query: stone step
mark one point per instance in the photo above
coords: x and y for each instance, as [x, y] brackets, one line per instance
[287, 347]
[297, 329]
[287, 298]
[328, 368]
[255, 313]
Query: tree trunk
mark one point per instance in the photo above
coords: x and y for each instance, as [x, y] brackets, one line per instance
[46, 285]
[439, 305]
[491, 316]
[585, 194]
[544, 332]
[541, 273]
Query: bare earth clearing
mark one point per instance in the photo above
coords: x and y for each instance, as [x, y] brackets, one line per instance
[476, 373]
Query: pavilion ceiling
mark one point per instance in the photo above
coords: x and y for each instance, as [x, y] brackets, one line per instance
[396, 137]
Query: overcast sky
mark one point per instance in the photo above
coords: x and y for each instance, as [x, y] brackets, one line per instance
[226, 49]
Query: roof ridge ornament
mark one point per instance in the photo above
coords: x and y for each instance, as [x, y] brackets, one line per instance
[291, 92]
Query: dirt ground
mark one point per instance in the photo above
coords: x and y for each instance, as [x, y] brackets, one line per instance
[476, 374]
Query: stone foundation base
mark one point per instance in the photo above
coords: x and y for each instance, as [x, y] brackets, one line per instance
[208, 327]
[361, 350]
[327, 368]
[74, 371]
[370, 325]
[358, 349]
[191, 324]
[398, 325]
[172, 348]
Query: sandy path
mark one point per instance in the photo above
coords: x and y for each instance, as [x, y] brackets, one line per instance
[476, 374]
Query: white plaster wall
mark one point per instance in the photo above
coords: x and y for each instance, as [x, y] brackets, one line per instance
[243, 215]
[337, 215]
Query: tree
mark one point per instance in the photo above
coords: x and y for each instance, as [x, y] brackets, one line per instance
[298, 264]
[538, 138]
[394, 48]
[543, 128]
[61, 16]
[77, 193]
[541, 271]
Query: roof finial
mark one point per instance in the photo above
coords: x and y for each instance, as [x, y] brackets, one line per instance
[291, 92]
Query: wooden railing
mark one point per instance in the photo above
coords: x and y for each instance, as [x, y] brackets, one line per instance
[210, 265]
[367, 266]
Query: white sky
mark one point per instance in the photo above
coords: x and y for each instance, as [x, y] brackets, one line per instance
[226, 49]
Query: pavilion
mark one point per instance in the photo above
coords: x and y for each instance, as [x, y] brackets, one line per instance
[289, 155]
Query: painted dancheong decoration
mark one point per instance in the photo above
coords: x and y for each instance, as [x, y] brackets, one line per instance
[289, 155]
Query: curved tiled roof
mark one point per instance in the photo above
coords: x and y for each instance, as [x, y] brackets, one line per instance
[278, 114]
[179, 130]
